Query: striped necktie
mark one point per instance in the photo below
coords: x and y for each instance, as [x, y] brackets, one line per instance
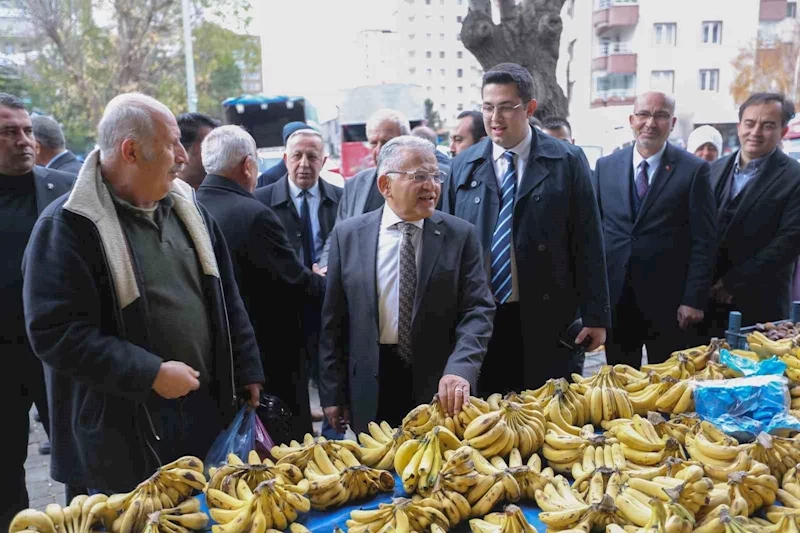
[501, 238]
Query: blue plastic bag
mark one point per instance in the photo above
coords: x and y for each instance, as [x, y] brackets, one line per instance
[747, 367]
[239, 438]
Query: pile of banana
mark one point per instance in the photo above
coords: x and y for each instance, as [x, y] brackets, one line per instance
[83, 515]
[720, 454]
[789, 496]
[513, 425]
[641, 444]
[340, 452]
[273, 504]
[423, 418]
[511, 520]
[418, 462]
[403, 515]
[563, 509]
[677, 427]
[381, 444]
[606, 394]
[530, 477]
[666, 517]
[331, 485]
[678, 398]
[722, 520]
[766, 347]
[254, 471]
[713, 371]
[166, 489]
[792, 365]
[644, 400]
[751, 490]
[561, 405]
[780, 454]
[679, 365]
[794, 393]
[494, 485]
[563, 450]
[181, 519]
[689, 489]
[594, 466]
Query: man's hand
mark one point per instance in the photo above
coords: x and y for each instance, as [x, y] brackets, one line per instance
[453, 393]
[175, 380]
[254, 390]
[720, 294]
[597, 336]
[688, 315]
[338, 417]
[319, 271]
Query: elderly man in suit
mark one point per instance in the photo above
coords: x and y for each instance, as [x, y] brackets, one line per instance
[267, 268]
[51, 151]
[659, 227]
[531, 198]
[25, 190]
[757, 189]
[408, 312]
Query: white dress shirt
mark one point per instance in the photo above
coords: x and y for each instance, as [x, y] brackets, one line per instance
[652, 164]
[313, 210]
[387, 272]
[521, 153]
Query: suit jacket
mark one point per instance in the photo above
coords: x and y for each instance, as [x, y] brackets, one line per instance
[266, 266]
[759, 247]
[669, 246]
[50, 184]
[67, 163]
[451, 324]
[558, 240]
[278, 198]
[272, 174]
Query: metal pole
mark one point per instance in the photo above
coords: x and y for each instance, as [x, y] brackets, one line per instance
[191, 90]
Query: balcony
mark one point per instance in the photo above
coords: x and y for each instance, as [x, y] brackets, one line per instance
[615, 58]
[613, 97]
[614, 14]
[770, 10]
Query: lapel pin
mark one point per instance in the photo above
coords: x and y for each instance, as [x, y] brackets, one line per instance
[668, 169]
[50, 186]
[436, 232]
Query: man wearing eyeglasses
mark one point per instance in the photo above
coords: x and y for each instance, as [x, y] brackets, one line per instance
[407, 311]
[530, 197]
[659, 227]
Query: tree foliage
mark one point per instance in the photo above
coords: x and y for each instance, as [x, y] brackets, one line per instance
[766, 67]
[432, 118]
[92, 50]
[529, 34]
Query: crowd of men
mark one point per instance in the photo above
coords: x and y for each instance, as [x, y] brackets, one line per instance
[168, 282]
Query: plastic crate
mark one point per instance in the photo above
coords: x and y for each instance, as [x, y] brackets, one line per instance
[736, 335]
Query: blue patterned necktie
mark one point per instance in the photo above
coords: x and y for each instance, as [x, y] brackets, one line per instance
[501, 238]
[407, 290]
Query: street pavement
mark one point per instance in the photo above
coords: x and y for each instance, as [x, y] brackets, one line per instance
[42, 490]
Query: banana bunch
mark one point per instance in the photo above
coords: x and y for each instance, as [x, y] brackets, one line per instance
[792, 366]
[794, 393]
[31, 520]
[780, 454]
[418, 462]
[403, 515]
[765, 347]
[423, 418]
[381, 445]
[789, 496]
[514, 425]
[713, 371]
[667, 518]
[458, 472]
[722, 520]
[720, 454]
[166, 489]
[678, 366]
[227, 476]
[700, 356]
[751, 490]
[511, 520]
[84, 514]
[690, 489]
[677, 427]
[586, 481]
[678, 398]
[453, 504]
[641, 445]
[776, 513]
[573, 407]
[607, 376]
[564, 510]
[339, 451]
[563, 450]
[272, 504]
[607, 397]
[181, 519]
[785, 524]
[645, 399]
[331, 486]
[602, 456]
[530, 476]
[493, 486]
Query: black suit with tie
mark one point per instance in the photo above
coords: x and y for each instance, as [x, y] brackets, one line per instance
[659, 250]
[759, 240]
[557, 240]
[66, 163]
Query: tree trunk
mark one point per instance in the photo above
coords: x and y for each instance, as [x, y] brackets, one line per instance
[529, 34]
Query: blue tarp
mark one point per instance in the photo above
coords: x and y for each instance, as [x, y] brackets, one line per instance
[324, 522]
[248, 99]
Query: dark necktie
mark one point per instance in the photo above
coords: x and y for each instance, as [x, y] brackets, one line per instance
[308, 234]
[501, 238]
[407, 290]
[641, 180]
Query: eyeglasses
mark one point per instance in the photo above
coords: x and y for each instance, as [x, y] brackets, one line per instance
[505, 111]
[661, 116]
[420, 177]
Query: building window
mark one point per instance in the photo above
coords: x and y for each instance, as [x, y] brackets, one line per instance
[443, 107]
[443, 89]
[428, 88]
[428, 36]
[460, 90]
[441, 55]
[664, 34]
[709, 80]
[458, 36]
[459, 73]
[412, 53]
[459, 19]
[441, 19]
[411, 36]
[428, 54]
[412, 70]
[791, 10]
[460, 107]
[441, 72]
[441, 36]
[427, 2]
[712, 32]
[460, 55]
[662, 81]
[429, 72]
[611, 86]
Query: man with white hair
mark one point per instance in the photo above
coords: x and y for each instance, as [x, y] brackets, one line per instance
[408, 311]
[132, 304]
[269, 273]
[706, 143]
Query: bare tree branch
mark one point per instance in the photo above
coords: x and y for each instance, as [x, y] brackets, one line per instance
[483, 6]
[508, 9]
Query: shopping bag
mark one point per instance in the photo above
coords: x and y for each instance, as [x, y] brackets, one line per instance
[238, 438]
[263, 442]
